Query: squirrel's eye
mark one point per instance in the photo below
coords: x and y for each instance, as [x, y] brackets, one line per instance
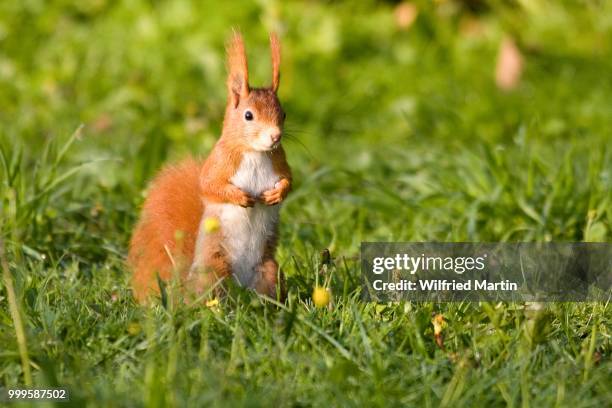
[248, 115]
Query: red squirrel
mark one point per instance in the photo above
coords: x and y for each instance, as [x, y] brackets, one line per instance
[239, 185]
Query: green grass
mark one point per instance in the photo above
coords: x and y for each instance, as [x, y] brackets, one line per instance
[392, 135]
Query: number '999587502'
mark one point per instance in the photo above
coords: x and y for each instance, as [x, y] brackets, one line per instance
[30, 394]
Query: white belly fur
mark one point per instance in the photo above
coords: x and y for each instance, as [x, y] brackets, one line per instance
[246, 230]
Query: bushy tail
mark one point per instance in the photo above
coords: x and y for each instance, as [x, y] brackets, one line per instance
[164, 238]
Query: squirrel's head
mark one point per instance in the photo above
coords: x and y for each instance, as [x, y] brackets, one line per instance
[254, 117]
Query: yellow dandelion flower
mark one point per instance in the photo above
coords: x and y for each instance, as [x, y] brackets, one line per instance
[212, 303]
[211, 224]
[438, 323]
[133, 328]
[321, 296]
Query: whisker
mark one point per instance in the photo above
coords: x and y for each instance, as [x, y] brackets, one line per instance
[292, 138]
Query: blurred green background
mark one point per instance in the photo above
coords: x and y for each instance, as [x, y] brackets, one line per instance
[397, 130]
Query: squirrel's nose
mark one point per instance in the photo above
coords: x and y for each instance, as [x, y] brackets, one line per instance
[275, 136]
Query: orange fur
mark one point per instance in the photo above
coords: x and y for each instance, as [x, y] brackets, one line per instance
[238, 78]
[275, 49]
[164, 239]
[173, 204]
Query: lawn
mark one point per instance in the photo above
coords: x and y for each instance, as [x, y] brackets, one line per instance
[395, 132]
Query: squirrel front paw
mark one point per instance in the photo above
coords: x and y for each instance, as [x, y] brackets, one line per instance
[277, 194]
[239, 197]
[271, 197]
[245, 200]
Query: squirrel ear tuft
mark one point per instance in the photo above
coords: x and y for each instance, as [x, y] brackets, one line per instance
[275, 50]
[238, 78]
